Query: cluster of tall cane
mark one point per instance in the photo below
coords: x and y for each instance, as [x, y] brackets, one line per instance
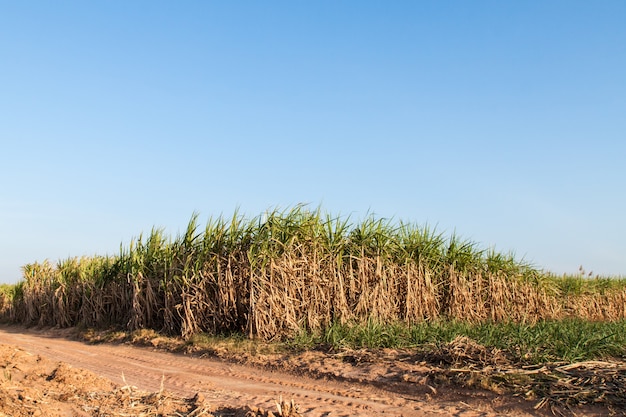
[284, 271]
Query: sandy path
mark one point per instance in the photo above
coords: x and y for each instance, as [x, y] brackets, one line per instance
[227, 384]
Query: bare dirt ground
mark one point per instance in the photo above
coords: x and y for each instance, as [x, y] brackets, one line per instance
[46, 373]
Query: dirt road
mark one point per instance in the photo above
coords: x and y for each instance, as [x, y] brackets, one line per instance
[234, 385]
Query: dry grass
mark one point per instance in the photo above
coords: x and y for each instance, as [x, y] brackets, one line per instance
[553, 385]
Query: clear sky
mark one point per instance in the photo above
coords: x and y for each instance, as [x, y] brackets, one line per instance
[504, 121]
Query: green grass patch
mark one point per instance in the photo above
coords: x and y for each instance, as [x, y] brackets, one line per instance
[570, 340]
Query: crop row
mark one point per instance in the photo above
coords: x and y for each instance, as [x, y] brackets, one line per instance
[284, 271]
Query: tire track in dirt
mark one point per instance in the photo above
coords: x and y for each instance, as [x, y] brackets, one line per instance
[226, 384]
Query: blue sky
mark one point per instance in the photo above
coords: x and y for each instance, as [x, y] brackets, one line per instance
[502, 121]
